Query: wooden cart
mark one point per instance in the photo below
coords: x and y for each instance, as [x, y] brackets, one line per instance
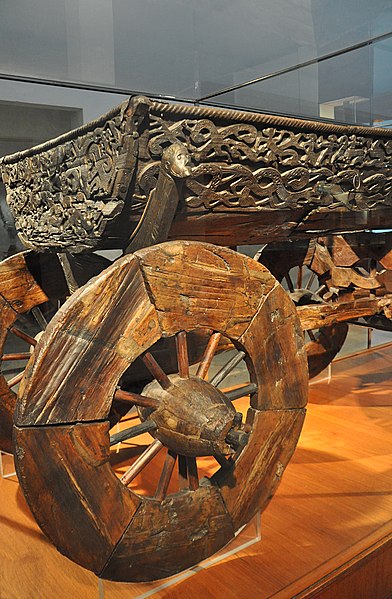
[169, 185]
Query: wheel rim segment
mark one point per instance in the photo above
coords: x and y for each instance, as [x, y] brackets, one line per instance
[61, 431]
[20, 291]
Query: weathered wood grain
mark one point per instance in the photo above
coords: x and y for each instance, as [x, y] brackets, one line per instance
[17, 286]
[91, 171]
[318, 316]
[200, 285]
[161, 206]
[240, 227]
[276, 354]
[249, 485]
[89, 343]
[19, 292]
[193, 417]
[165, 538]
[72, 491]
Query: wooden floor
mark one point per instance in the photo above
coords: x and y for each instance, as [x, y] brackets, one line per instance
[331, 514]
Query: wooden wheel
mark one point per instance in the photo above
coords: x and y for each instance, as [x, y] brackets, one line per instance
[290, 262]
[22, 290]
[62, 434]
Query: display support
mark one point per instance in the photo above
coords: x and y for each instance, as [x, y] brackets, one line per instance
[7, 466]
[245, 537]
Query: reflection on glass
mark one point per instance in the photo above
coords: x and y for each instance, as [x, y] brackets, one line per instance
[178, 47]
[355, 87]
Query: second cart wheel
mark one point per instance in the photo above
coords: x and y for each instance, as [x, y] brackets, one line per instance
[61, 432]
[290, 262]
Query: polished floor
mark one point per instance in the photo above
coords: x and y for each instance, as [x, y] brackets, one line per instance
[335, 501]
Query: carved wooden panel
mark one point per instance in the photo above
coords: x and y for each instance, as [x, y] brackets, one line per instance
[91, 187]
[270, 162]
[64, 193]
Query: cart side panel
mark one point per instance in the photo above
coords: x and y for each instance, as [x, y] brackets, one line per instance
[64, 194]
[256, 178]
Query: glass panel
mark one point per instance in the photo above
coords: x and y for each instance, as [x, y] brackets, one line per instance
[382, 84]
[143, 45]
[351, 88]
[153, 46]
[178, 47]
[86, 104]
[237, 42]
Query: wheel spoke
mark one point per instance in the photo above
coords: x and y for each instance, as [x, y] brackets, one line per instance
[227, 368]
[241, 391]
[141, 462]
[299, 277]
[39, 317]
[15, 380]
[24, 336]
[318, 291]
[136, 399]
[156, 371]
[208, 355]
[182, 355]
[193, 477]
[133, 431]
[166, 475]
[21, 356]
[182, 473]
[310, 280]
[289, 282]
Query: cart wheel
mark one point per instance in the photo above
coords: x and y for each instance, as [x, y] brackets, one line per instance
[21, 292]
[61, 434]
[290, 262]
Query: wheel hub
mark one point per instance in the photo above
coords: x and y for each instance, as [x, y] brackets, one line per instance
[193, 417]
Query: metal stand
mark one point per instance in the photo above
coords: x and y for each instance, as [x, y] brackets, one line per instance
[7, 466]
[245, 537]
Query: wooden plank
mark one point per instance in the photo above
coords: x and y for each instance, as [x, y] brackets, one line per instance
[317, 316]
[21, 276]
[165, 538]
[18, 286]
[200, 285]
[253, 227]
[274, 343]
[249, 486]
[90, 342]
[71, 489]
